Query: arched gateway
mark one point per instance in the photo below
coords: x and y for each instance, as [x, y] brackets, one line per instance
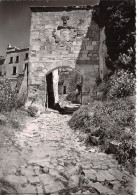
[62, 82]
[62, 36]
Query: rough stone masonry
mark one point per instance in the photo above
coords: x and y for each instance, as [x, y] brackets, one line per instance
[63, 37]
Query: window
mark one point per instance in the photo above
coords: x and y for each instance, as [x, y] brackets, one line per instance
[64, 90]
[14, 70]
[0, 73]
[11, 60]
[26, 66]
[17, 59]
[26, 57]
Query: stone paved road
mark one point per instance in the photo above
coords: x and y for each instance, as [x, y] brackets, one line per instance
[53, 161]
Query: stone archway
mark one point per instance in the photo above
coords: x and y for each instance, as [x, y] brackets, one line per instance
[63, 36]
[60, 82]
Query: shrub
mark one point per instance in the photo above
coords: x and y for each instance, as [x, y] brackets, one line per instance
[7, 96]
[109, 121]
[21, 100]
[121, 84]
[73, 97]
[3, 119]
[15, 123]
[32, 110]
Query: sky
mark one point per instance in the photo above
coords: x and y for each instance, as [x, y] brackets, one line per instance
[15, 17]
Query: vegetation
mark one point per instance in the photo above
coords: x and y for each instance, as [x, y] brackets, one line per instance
[2, 59]
[11, 117]
[13, 121]
[118, 17]
[74, 97]
[109, 121]
[32, 111]
[9, 98]
[113, 119]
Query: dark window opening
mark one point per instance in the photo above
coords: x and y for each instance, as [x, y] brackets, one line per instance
[11, 60]
[0, 73]
[17, 59]
[14, 70]
[26, 66]
[26, 57]
[64, 90]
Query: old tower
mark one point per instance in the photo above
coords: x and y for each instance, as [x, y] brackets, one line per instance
[62, 37]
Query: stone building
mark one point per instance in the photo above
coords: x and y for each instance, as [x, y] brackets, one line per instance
[63, 37]
[16, 61]
[2, 60]
[15, 68]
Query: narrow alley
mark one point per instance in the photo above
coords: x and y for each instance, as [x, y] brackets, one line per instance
[52, 160]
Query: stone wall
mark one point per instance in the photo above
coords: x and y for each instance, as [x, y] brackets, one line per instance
[59, 37]
[102, 53]
[70, 81]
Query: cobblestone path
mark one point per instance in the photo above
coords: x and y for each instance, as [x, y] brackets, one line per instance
[53, 161]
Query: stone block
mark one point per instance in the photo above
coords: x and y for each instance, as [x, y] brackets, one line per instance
[96, 47]
[33, 179]
[103, 175]
[96, 67]
[113, 147]
[46, 178]
[54, 186]
[29, 189]
[89, 47]
[73, 181]
[45, 169]
[85, 58]
[83, 51]
[13, 179]
[95, 62]
[95, 57]
[54, 172]
[116, 173]
[35, 47]
[103, 190]
[39, 189]
[36, 170]
[90, 174]
[77, 48]
[26, 171]
[89, 62]
[90, 54]
[84, 55]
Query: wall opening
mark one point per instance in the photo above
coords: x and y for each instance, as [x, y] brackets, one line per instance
[64, 89]
[14, 70]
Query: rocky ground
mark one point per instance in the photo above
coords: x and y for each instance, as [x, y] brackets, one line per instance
[50, 159]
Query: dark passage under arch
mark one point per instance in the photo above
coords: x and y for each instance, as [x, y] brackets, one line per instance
[64, 88]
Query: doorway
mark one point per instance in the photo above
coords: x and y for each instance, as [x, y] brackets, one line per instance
[63, 88]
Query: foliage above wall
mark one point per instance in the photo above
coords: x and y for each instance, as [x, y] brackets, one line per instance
[2, 59]
[118, 17]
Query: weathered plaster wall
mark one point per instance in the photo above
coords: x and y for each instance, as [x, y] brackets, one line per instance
[20, 65]
[63, 38]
